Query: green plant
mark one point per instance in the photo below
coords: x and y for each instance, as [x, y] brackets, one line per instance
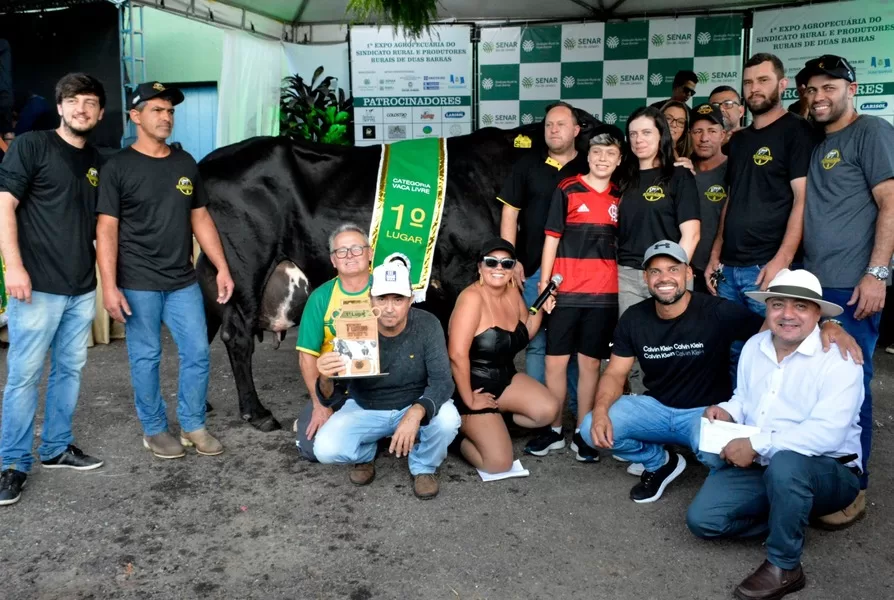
[414, 16]
[316, 113]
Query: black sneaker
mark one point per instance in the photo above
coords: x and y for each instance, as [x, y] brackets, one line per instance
[72, 458]
[543, 443]
[583, 452]
[11, 484]
[652, 483]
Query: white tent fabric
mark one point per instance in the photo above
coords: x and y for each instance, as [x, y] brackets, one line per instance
[303, 59]
[248, 90]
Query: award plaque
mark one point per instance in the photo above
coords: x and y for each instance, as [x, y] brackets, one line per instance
[357, 338]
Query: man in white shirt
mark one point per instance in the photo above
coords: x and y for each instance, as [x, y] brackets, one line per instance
[805, 462]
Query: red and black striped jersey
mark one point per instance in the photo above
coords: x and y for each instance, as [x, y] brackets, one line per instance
[586, 221]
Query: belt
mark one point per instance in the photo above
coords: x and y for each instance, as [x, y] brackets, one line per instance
[848, 458]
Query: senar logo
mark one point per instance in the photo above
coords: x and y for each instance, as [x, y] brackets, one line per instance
[832, 158]
[654, 193]
[762, 156]
[185, 186]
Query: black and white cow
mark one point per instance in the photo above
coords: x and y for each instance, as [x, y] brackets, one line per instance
[275, 201]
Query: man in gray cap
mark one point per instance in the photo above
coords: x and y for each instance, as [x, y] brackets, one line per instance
[681, 340]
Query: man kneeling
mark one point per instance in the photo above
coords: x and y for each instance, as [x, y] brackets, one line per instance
[805, 460]
[413, 399]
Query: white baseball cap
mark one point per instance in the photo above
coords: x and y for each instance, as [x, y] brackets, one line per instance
[799, 284]
[391, 278]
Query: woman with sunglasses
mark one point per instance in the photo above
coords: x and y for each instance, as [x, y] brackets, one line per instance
[659, 201]
[677, 115]
[489, 326]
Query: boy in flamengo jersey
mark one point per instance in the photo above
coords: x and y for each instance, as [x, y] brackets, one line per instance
[581, 233]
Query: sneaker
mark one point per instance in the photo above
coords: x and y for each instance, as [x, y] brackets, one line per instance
[890, 349]
[205, 443]
[636, 469]
[11, 484]
[362, 473]
[543, 443]
[619, 459]
[72, 458]
[583, 452]
[164, 445]
[426, 486]
[652, 483]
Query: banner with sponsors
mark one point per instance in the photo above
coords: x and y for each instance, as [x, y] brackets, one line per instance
[407, 88]
[862, 32]
[607, 69]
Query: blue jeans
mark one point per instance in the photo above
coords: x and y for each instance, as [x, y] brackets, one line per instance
[351, 434]
[641, 425]
[183, 312]
[739, 280]
[535, 354]
[866, 333]
[778, 500]
[60, 324]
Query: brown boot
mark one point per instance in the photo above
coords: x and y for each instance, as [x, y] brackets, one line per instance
[205, 443]
[426, 486]
[847, 516]
[769, 582]
[164, 445]
[362, 473]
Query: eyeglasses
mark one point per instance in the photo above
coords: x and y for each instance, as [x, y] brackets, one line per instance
[352, 250]
[689, 91]
[491, 262]
[675, 122]
[726, 104]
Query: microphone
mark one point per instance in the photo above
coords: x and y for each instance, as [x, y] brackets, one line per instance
[554, 283]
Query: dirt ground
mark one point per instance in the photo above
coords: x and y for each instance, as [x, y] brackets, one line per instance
[258, 522]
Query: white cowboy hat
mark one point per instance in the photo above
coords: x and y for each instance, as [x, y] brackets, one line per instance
[800, 284]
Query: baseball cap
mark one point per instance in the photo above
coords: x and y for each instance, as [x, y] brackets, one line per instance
[154, 89]
[607, 129]
[706, 111]
[391, 278]
[827, 64]
[496, 243]
[665, 248]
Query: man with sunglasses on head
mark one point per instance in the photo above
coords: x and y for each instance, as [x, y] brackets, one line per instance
[684, 88]
[851, 181]
[350, 254]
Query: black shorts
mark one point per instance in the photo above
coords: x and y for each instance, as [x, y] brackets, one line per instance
[587, 331]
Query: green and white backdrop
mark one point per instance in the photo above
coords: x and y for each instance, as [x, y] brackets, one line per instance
[607, 69]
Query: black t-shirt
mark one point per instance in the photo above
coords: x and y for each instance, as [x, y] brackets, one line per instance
[55, 184]
[153, 199]
[762, 164]
[651, 211]
[529, 188]
[685, 361]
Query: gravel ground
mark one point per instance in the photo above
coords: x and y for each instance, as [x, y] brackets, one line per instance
[258, 522]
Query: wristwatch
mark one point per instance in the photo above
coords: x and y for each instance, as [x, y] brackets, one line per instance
[880, 273]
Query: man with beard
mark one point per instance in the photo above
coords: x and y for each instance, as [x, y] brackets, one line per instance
[47, 197]
[151, 203]
[761, 224]
[851, 181]
[681, 340]
[707, 131]
[528, 191]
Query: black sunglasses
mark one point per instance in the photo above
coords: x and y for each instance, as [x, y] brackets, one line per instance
[689, 91]
[491, 262]
[833, 63]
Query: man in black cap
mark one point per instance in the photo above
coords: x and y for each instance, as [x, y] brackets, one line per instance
[850, 184]
[708, 133]
[151, 203]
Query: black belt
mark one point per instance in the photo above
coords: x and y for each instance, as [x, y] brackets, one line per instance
[848, 458]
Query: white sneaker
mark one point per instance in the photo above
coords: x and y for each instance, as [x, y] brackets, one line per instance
[636, 469]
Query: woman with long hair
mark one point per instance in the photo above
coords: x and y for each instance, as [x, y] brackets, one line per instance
[659, 201]
[677, 115]
[489, 326]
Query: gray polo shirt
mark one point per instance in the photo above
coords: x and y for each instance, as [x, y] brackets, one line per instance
[840, 212]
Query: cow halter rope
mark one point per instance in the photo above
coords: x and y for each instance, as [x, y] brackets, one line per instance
[410, 190]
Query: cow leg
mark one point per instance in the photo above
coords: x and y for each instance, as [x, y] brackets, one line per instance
[236, 336]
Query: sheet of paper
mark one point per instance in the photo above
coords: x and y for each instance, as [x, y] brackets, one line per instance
[517, 470]
[715, 436]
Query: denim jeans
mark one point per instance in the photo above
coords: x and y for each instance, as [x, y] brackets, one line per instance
[866, 333]
[641, 425]
[183, 312]
[778, 500]
[60, 324]
[351, 434]
[737, 281]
